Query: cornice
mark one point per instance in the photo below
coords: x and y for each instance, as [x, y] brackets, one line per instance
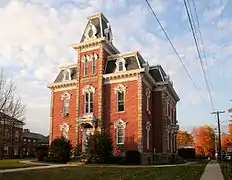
[94, 44]
[86, 79]
[63, 85]
[122, 74]
[123, 55]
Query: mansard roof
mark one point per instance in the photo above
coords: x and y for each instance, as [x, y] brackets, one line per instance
[97, 27]
[132, 61]
[73, 70]
[158, 73]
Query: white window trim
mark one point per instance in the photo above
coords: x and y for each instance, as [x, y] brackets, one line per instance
[67, 70]
[94, 67]
[87, 111]
[120, 88]
[148, 128]
[64, 96]
[88, 89]
[121, 123]
[66, 128]
[117, 65]
[86, 67]
[148, 94]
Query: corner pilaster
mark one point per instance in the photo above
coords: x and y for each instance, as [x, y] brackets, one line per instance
[140, 114]
[51, 119]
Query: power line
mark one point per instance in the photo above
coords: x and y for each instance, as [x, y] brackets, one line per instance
[174, 49]
[199, 30]
[199, 54]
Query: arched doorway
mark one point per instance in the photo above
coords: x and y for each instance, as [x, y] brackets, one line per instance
[87, 130]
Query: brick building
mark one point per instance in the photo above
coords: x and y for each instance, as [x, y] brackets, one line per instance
[118, 92]
[31, 141]
[10, 137]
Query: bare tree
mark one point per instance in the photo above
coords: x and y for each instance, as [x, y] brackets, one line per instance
[12, 111]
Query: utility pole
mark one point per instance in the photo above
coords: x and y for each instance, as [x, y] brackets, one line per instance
[219, 131]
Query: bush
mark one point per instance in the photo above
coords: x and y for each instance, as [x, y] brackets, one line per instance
[99, 148]
[133, 157]
[61, 149]
[41, 153]
[51, 159]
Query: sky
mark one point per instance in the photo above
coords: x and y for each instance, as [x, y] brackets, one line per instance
[36, 38]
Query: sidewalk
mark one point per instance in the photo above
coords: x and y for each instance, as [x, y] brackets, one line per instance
[37, 168]
[212, 171]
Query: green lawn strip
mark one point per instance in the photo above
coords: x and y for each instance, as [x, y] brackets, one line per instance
[189, 172]
[11, 164]
[226, 171]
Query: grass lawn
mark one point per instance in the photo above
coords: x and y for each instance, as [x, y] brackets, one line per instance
[226, 171]
[11, 164]
[187, 172]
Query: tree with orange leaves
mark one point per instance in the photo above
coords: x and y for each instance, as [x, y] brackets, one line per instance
[204, 140]
[184, 138]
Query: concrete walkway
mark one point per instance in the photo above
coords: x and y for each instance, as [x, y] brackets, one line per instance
[212, 171]
[48, 166]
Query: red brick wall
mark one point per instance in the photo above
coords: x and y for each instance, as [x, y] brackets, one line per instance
[58, 118]
[157, 118]
[81, 64]
[130, 115]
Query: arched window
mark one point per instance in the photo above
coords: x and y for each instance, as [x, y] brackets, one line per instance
[88, 92]
[120, 66]
[120, 91]
[66, 102]
[120, 126]
[148, 93]
[86, 67]
[93, 66]
[88, 102]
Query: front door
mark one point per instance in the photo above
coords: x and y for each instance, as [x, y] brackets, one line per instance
[85, 133]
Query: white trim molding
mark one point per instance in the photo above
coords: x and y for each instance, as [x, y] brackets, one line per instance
[148, 94]
[64, 128]
[148, 128]
[65, 85]
[120, 124]
[120, 88]
[65, 95]
[88, 88]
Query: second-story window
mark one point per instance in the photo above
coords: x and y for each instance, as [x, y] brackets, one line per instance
[88, 102]
[148, 93]
[120, 91]
[65, 106]
[93, 66]
[66, 102]
[86, 67]
[88, 92]
[120, 101]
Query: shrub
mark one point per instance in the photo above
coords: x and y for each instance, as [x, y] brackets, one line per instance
[61, 149]
[41, 153]
[133, 157]
[99, 148]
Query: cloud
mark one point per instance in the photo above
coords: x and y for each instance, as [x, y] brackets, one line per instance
[36, 38]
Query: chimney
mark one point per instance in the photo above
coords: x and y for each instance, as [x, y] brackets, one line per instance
[27, 130]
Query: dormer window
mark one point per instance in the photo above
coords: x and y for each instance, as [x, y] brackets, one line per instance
[67, 74]
[120, 65]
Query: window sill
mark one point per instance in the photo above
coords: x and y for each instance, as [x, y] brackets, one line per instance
[120, 111]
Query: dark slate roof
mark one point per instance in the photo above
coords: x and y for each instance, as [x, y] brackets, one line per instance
[32, 135]
[157, 73]
[5, 117]
[100, 22]
[131, 63]
[60, 76]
